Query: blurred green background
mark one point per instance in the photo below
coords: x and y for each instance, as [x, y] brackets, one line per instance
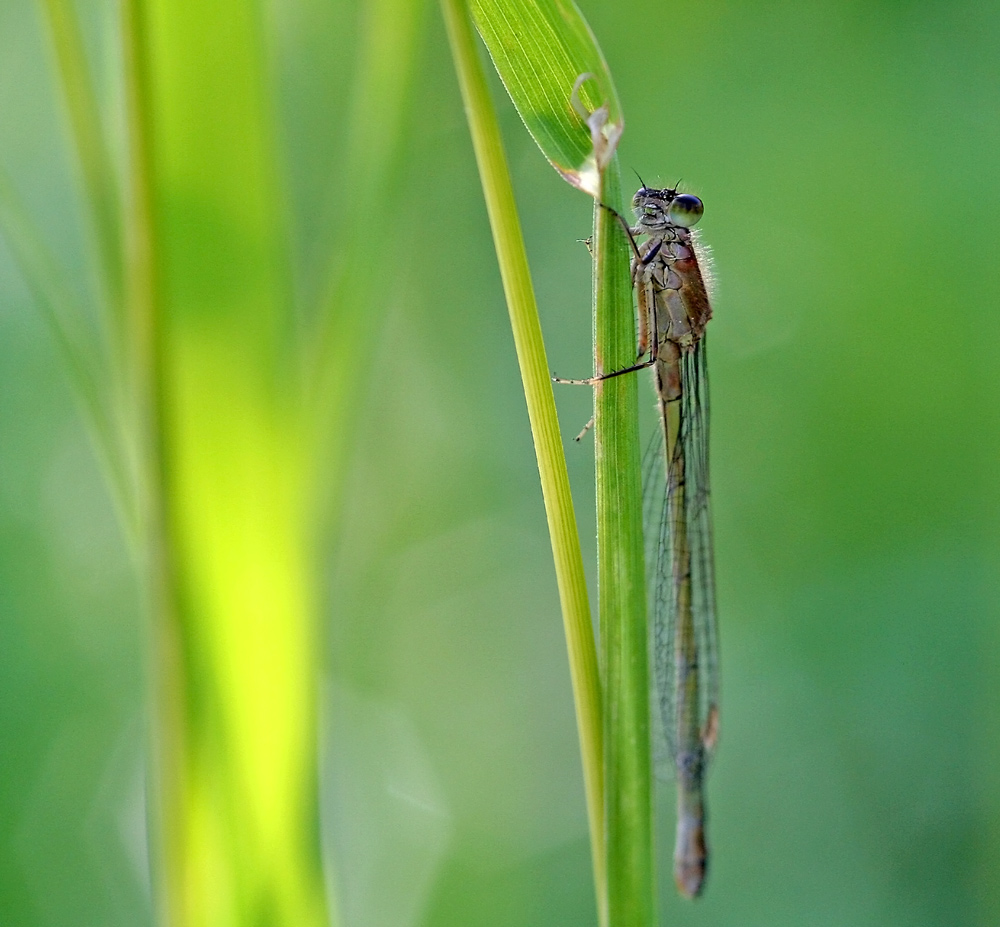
[847, 155]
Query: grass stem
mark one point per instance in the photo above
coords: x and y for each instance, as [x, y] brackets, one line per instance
[621, 575]
[535, 376]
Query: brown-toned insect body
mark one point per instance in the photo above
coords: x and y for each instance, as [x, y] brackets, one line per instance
[674, 309]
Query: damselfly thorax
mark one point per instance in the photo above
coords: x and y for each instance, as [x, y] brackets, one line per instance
[673, 303]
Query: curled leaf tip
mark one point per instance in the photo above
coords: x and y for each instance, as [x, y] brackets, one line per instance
[604, 136]
[574, 97]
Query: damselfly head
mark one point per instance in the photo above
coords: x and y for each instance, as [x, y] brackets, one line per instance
[659, 209]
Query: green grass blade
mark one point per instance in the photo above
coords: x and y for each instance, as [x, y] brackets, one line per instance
[621, 576]
[540, 49]
[82, 356]
[535, 376]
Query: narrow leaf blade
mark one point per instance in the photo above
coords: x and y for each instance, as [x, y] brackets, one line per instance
[556, 75]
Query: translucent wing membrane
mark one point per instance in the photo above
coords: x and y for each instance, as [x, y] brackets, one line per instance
[694, 444]
[676, 512]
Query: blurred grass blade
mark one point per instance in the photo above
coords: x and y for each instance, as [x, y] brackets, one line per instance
[336, 356]
[100, 183]
[80, 353]
[232, 579]
[552, 67]
[535, 377]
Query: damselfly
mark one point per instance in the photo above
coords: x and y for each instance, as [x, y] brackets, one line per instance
[673, 310]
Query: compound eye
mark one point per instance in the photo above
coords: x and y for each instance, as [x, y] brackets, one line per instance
[685, 210]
